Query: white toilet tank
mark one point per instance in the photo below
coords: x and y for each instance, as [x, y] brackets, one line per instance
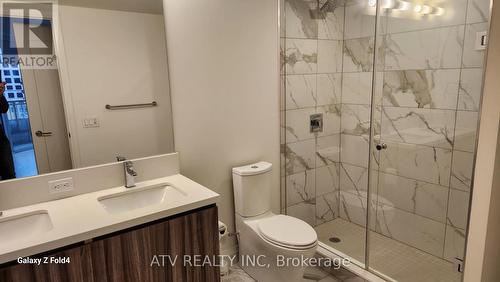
[252, 189]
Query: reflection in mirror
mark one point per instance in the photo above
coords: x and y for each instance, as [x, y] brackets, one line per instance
[84, 81]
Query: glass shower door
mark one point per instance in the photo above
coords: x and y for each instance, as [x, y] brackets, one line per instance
[424, 120]
[327, 72]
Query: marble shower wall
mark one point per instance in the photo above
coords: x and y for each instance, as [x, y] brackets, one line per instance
[311, 74]
[428, 80]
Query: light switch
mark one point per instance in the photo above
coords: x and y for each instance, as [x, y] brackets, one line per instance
[91, 122]
[481, 40]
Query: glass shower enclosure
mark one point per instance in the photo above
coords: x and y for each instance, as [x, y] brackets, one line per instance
[380, 103]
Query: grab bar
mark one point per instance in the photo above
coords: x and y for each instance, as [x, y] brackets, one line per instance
[131, 106]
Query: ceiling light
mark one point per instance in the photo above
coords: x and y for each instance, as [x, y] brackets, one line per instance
[426, 10]
[438, 11]
[404, 6]
[372, 3]
[389, 4]
[417, 8]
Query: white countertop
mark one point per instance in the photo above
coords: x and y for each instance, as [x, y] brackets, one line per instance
[83, 217]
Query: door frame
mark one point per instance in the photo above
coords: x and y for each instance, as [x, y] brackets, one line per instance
[65, 81]
[59, 52]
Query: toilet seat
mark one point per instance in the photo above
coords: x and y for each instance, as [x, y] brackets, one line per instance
[288, 232]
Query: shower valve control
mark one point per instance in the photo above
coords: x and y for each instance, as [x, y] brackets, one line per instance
[316, 123]
[381, 147]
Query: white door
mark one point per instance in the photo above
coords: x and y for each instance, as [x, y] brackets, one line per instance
[46, 114]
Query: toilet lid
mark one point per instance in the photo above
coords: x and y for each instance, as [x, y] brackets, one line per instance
[288, 231]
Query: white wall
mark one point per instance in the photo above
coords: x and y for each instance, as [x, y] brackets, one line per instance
[224, 74]
[483, 246]
[115, 57]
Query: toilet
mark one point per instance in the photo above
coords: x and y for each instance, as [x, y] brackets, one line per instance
[271, 247]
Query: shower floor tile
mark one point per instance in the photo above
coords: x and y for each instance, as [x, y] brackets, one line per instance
[390, 257]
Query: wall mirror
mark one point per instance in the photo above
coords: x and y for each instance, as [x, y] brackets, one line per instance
[84, 81]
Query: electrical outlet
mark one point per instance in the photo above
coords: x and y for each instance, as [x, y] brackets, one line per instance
[61, 185]
[91, 122]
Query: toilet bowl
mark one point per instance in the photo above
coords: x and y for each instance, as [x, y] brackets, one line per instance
[271, 247]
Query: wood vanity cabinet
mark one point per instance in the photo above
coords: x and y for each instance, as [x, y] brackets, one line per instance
[129, 255]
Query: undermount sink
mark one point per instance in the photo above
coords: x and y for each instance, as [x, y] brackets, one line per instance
[136, 198]
[29, 225]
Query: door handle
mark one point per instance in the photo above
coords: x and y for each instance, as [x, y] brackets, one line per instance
[381, 147]
[40, 133]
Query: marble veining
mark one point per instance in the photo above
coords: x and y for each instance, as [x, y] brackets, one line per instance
[424, 163]
[327, 150]
[418, 197]
[300, 187]
[300, 91]
[428, 49]
[327, 179]
[421, 88]
[355, 149]
[353, 178]
[358, 54]
[296, 127]
[471, 83]
[458, 209]
[461, 172]
[299, 156]
[326, 207]
[419, 126]
[466, 130]
[454, 243]
[353, 207]
[357, 88]
[425, 234]
[427, 95]
[301, 56]
[331, 119]
[329, 56]
[356, 119]
[329, 89]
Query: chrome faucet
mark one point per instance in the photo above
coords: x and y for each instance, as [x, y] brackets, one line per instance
[130, 172]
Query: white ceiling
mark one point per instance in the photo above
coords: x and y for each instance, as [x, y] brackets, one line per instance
[140, 6]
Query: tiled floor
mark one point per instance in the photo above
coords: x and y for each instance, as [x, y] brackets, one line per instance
[25, 163]
[236, 274]
[392, 258]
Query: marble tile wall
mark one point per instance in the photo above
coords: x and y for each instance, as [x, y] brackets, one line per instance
[358, 75]
[427, 93]
[428, 80]
[441, 71]
[311, 72]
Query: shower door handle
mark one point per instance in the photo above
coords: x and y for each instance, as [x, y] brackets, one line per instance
[40, 133]
[381, 146]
